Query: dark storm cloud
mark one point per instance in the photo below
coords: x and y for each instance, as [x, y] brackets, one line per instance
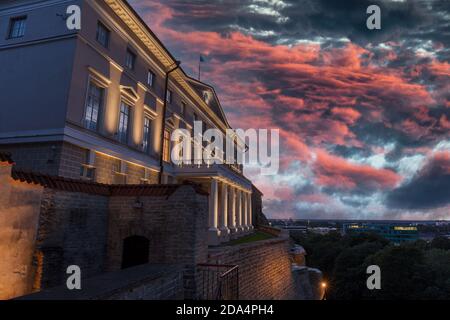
[355, 114]
[289, 21]
[429, 189]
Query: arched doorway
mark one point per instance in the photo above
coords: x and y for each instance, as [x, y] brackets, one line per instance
[135, 251]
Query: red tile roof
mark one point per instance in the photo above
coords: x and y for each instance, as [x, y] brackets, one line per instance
[72, 185]
[136, 190]
[6, 157]
[60, 183]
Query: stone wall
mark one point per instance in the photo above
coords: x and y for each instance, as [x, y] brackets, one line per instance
[19, 214]
[176, 227]
[264, 268]
[145, 282]
[72, 231]
[36, 157]
[65, 160]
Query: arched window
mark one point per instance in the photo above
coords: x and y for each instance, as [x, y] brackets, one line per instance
[135, 251]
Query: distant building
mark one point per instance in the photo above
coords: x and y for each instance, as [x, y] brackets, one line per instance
[396, 233]
[322, 230]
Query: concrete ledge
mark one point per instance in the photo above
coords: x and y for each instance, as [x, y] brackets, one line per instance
[140, 282]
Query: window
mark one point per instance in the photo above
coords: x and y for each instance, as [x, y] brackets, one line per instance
[147, 133]
[183, 109]
[87, 172]
[119, 172]
[124, 117]
[102, 35]
[150, 78]
[131, 59]
[166, 146]
[87, 168]
[17, 27]
[169, 96]
[93, 105]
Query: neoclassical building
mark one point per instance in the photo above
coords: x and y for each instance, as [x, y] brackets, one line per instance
[100, 104]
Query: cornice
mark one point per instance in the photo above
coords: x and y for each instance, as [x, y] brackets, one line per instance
[123, 11]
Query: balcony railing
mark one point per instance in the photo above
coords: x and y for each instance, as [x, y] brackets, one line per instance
[201, 164]
[219, 281]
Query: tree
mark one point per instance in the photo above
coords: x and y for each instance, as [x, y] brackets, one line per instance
[404, 274]
[349, 274]
[441, 243]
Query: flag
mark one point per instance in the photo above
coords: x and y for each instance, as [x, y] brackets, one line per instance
[201, 59]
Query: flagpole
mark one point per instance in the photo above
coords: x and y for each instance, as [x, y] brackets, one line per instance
[199, 64]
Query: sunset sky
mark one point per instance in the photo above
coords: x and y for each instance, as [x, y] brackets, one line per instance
[364, 116]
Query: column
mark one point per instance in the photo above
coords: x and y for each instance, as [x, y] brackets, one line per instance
[250, 211]
[213, 232]
[244, 211]
[232, 211]
[239, 211]
[223, 221]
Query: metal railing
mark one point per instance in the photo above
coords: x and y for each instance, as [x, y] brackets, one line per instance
[219, 281]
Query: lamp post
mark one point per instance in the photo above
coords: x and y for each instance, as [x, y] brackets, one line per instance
[324, 288]
[163, 124]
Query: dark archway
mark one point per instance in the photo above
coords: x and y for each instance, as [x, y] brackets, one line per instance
[135, 251]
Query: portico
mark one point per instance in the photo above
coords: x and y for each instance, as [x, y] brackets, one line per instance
[230, 210]
[230, 200]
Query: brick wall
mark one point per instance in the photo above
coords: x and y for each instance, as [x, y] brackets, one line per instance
[264, 268]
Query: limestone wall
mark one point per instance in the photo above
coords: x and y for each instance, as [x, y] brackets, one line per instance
[19, 214]
[72, 231]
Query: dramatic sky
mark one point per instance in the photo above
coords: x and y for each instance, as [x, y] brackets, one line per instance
[364, 116]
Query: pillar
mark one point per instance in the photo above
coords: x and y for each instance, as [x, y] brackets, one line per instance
[223, 218]
[250, 211]
[213, 232]
[232, 212]
[239, 211]
[244, 211]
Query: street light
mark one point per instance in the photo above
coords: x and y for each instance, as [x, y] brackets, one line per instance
[324, 287]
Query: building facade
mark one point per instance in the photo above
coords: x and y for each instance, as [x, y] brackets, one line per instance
[396, 233]
[93, 104]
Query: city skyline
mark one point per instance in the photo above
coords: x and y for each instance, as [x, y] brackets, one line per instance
[364, 116]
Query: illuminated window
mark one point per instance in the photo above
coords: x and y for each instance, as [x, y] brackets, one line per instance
[147, 133]
[150, 78]
[93, 105]
[131, 59]
[102, 35]
[166, 146]
[17, 27]
[87, 172]
[124, 117]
